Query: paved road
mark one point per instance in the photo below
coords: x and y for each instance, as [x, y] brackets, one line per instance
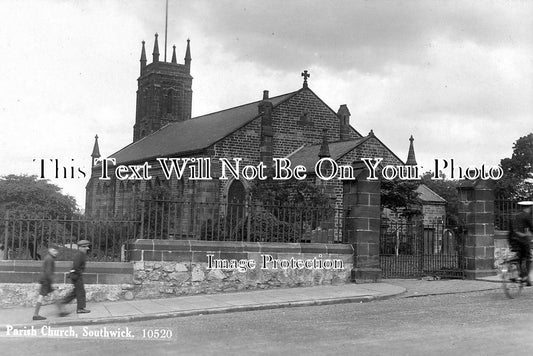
[480, 323]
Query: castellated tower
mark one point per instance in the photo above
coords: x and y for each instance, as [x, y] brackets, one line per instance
[164, 92]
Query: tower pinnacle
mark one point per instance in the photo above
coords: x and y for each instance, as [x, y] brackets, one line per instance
[155, 54]
[96, 150]
[174, 55]
[143, 58]
[188, 56]
[411, 159]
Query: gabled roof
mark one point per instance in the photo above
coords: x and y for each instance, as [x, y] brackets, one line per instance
[307, 156]
[428, 195]
[193, 135]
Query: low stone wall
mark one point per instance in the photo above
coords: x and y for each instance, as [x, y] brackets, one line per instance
[167, 268]
[25, 294]
[105, 281]
[180, 267]
[29, 271]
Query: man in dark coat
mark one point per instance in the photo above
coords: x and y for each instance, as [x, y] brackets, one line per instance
[46, 281]
[76, 277]
[520, 235]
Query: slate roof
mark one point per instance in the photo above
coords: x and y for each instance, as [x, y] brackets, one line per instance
[192, 135]
[428, 195]
[307, 156]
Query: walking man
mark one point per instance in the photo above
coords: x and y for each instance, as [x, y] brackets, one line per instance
[46, 281]
[76, 277]
[520, 235]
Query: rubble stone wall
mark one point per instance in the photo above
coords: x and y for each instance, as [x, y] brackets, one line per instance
[168, 268]
[501, 247]
[185, 267]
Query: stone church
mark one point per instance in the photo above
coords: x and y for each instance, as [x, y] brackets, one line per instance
[297, 125]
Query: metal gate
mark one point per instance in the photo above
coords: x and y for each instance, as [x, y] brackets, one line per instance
[409, 250]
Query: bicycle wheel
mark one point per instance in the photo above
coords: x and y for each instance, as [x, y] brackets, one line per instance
[511, 283]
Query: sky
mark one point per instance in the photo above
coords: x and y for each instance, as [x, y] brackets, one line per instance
[457, 75]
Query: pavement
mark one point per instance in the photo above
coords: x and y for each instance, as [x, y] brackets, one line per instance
[147, 309]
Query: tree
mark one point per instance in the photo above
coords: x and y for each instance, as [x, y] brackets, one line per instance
[517, 180]
[25, 195]
[28, 201]
[447, 189]
[400, 197]
[288, 209]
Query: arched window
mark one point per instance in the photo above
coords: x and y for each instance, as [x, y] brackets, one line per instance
[236, 200]
[236, 193]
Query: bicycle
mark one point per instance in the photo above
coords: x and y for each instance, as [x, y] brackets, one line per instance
[512, 283]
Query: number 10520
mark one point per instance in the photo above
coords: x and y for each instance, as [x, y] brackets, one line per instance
[156, 333]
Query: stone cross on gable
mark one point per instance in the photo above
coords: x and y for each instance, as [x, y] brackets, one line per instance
[306, 75]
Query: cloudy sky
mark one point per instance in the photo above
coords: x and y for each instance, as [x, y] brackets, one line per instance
[457, 75]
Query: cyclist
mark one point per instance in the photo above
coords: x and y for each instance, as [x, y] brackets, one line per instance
[520, 234]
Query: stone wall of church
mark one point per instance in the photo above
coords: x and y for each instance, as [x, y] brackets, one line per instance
[243, 143]
[100, 195]
[120, 198]
[300, 121]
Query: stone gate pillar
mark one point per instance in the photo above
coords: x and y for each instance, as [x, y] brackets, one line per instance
[362, 204]
[476, 213]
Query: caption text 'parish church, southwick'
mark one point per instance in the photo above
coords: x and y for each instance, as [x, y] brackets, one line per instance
[296, 125]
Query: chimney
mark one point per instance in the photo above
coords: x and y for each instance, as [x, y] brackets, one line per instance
[266, 150]
[344, 122]
[324, 148]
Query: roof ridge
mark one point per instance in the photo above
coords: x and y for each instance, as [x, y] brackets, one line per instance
[298, 149]
[425, 186]
[242, 105]
[333, 142]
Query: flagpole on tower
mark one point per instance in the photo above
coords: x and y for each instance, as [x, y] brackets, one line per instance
[166, 25]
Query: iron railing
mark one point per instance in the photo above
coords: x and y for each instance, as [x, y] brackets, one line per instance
[170, 219]
[503, 213]
[30, 237]
[415, 249]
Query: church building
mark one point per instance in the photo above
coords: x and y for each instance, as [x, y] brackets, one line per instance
[297, 125]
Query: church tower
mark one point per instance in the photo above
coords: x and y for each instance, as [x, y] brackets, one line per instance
[164, 92]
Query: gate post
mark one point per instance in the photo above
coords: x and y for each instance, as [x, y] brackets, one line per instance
[476, 213]
[362, 203]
